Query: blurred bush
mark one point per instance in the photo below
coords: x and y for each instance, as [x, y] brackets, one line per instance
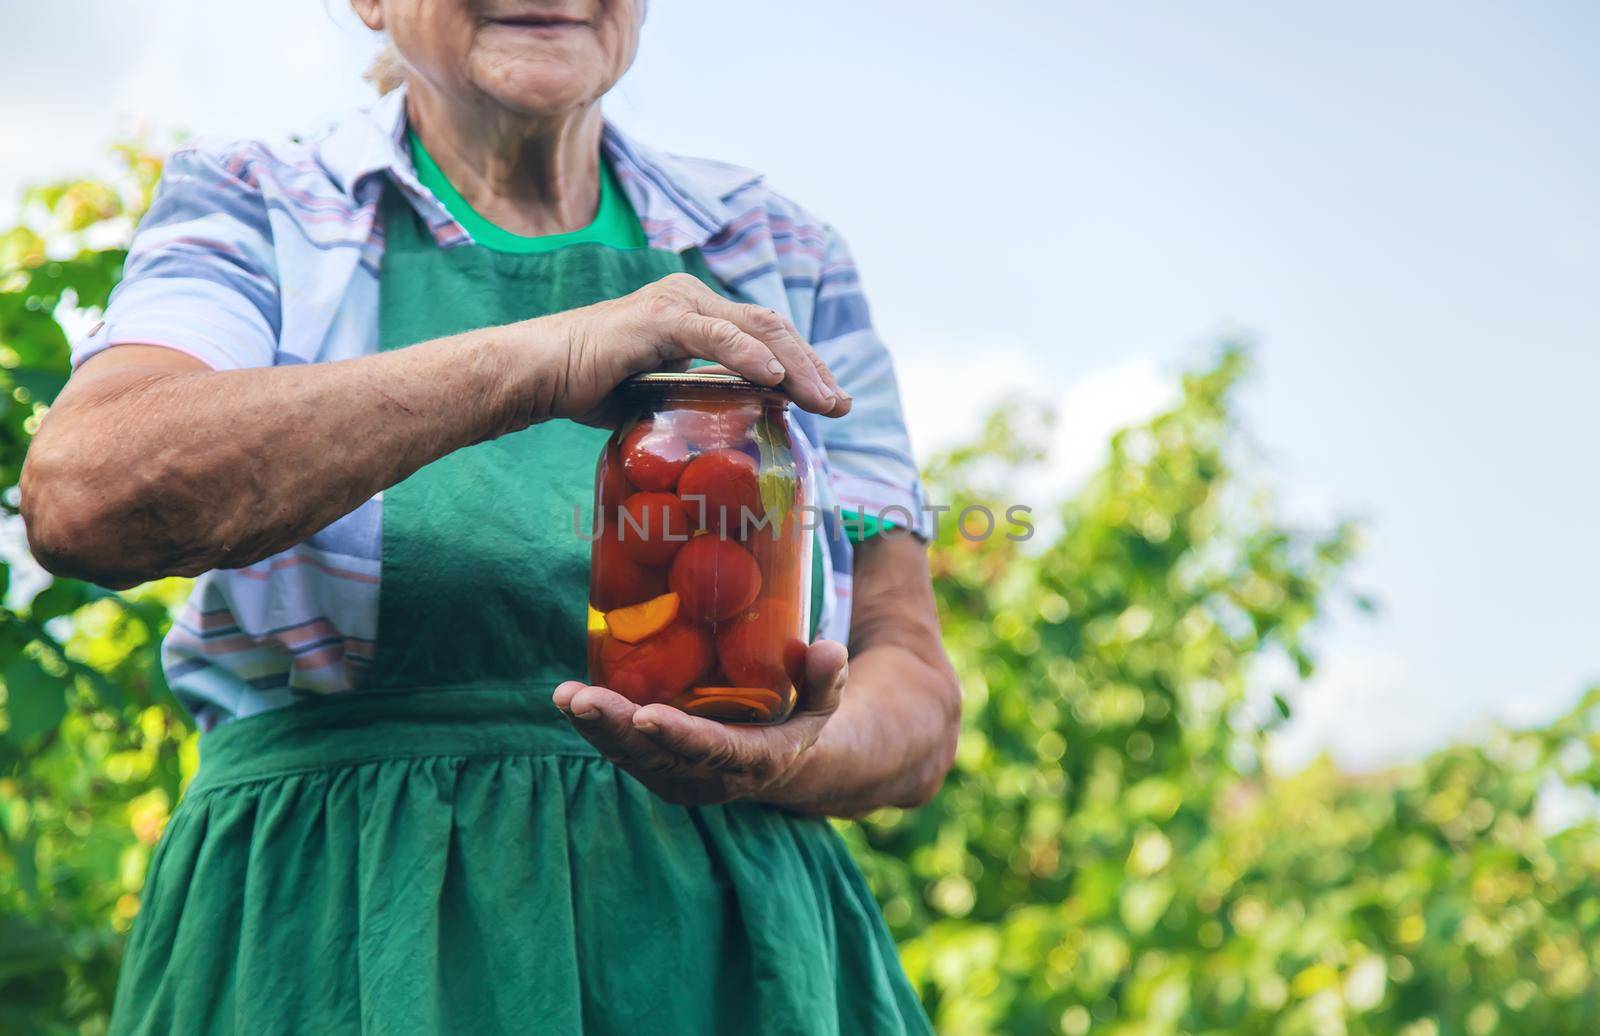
[92, 746]
[1110, 854]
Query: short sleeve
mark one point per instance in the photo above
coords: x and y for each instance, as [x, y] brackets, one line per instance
[200, 276]
[870, 466]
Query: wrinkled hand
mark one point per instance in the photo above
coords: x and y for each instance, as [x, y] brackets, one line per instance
[693, 761]
[664, 325]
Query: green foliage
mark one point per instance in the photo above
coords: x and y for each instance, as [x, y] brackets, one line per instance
[92, 748]
[1110, 853]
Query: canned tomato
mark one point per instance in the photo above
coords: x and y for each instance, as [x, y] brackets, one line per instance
[701, 563]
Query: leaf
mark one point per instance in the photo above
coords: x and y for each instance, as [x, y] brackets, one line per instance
[20, 248]
[43, 385]
[24, 853]
[1304, 664]
[1143, 903]
[32, 332]
[106, 691]
[27, 948]
[61, 597]
[1282, 704]
[35, 700]
[778, 482]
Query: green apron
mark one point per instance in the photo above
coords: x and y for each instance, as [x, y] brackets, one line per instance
[441, 852]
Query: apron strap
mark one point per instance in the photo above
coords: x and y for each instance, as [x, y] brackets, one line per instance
[403, 227]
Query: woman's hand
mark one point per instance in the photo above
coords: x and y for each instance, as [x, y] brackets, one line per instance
[696, 762]
[666, 324]
[272, 454]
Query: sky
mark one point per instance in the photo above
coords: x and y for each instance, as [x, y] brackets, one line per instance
[1397, 203]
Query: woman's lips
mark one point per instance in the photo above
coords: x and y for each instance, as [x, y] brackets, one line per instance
[539, 25]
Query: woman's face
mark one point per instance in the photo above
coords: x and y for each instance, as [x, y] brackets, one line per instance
[532, 57]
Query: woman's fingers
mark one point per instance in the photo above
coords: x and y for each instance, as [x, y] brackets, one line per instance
[562, 695]
[822, 368]
[845, 398]
[803, 379]
[701, 741]
[755, 756]
[605, 719]
[689, 759]
[664, 324]
[827, 669]
[713, 338]
[757, 343]
[760, 754]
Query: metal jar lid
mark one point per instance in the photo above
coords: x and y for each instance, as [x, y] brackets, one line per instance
[726, 380]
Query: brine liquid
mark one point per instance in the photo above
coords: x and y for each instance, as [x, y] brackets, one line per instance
[699, 574]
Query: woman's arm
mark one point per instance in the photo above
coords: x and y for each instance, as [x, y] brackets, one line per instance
[893, 737]
[889, 744]
[151, 464]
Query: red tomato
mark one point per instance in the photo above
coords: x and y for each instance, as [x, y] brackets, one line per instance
[761, 647]
[781, 552]
[713, 426]
[613, 483]
[616, 580]
[654, 459]
[794, 661]
[714, 578]
[653, 526]
[657, 668]
[721, 488]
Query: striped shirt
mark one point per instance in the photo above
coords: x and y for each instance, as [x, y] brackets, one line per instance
[256, 254]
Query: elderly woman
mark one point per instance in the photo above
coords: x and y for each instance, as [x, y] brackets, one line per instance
[345, 383]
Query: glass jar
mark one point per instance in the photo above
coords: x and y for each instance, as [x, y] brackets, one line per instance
[699, 577]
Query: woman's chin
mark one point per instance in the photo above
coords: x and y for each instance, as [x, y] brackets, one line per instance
[538, 84]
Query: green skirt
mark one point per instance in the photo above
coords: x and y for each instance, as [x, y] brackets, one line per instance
[461, 861]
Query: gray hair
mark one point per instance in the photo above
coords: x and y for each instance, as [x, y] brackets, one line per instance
[388, 70]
